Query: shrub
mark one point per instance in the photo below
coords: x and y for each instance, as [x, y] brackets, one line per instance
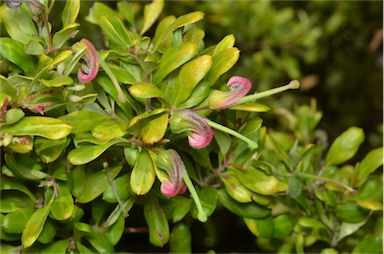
[155, 125]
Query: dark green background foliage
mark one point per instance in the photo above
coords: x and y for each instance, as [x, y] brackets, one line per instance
[83, 162]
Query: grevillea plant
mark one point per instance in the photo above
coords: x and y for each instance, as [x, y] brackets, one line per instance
[152, 119]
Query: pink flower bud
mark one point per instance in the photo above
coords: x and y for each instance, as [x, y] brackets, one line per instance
[170, 162]
[87, 73]
[238, 88]
[40, 108]
[201, 133]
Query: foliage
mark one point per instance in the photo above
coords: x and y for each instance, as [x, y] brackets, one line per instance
[148, 131]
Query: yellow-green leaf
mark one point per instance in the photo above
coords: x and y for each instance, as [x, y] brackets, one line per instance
[143, 174]
[86, 153]
[151, 13]
[154, 130]
[35, 225]
[174, 58]
[47, 127]
[189, 76]
[345, 146]
[222, 62]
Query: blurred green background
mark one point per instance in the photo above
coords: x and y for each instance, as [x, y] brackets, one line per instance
[335, 48]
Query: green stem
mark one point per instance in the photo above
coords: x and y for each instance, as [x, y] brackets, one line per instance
[114, 191]
[294, 84]
[108, 71]
[200, 212]
[252, 144]
[324, 179]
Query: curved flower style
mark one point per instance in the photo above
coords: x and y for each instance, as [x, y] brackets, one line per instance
[87, 73]
[171, 162]
[188, 121]
[238, 88]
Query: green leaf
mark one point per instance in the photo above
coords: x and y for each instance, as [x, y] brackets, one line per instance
[348, 228]
[11, 184]
[12, 201]
[145, 91]
[208, 199]
[109, 129]
[116, 32]
[115, 232]
[58, 246]
[180, 240]
[63, 55]
[174, 58]
[14, 115]
[181, 21]
[235, 189]
[251, 107]
[47, 127]
[6, 89]
[14, 222]
[350, 212]
[370, 244]
[143, 174]
[68, 32]
[70, 12]
[49, 150]
[127, 10]
[18, 23]
[82, 249]
[34, 47]
[35, 225]
[157, 222]
[162, 31]
[98, 11]
[13, 51]
[189, 76]
[294, 186]
[194, 35]
[96, 183]
[345, 146]
[283, 225]
[58, 82]
[372, 161]
[82, 121]
[154, 130]
[222, 62]
[226, 43]
[249, 210]
[257, 181]
[263, 228]
[100, 242]
[123, 75]
[122, 188]
[48, 233]
[107, 85]
[22, 171]
[176, 208]
[198, 95]
[223, 141]
[63, 206]
[151, 12]
[86, 153]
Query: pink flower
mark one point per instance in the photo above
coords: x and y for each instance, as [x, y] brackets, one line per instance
[40, 108]
[238, 88]
[170, 162]
[87, 73]
[201, 133]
